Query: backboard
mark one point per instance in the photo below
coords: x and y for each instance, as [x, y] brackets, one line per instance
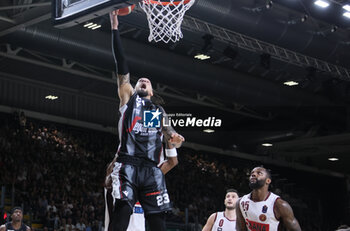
[67, 13]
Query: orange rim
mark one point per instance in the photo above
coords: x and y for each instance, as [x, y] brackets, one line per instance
[165, 3]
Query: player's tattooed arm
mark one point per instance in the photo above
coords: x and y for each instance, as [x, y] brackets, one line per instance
[123, 79]
[174, 139]
[240, 223]
[125, 89]
[285, 213]
[167, 129]
[167, 132]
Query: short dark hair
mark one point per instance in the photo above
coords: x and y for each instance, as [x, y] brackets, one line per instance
[16, 208]
[268, 172]
[232, 190]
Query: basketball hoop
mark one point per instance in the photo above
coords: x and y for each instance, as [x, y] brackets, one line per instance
[165, 18]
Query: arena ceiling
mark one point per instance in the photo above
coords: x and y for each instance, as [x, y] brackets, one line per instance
[254, 49]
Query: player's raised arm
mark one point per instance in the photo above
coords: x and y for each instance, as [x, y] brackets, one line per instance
[285, 213]
[125, 90]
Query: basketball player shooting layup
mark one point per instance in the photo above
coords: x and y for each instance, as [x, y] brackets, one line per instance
[226, 220]
[136, 175]
[261, 210]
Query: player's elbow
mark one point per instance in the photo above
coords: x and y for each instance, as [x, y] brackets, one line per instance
[173, 161]
[176, 162]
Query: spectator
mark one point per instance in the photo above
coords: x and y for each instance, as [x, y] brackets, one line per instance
[51, 207]
[80, 226]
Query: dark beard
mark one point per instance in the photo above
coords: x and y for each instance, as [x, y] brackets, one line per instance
[142, 93]
[258, 184]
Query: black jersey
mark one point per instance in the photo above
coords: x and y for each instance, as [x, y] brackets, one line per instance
[9, 227]
[135, 139]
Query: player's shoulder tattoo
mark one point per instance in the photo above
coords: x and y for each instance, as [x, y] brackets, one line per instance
[123, 79]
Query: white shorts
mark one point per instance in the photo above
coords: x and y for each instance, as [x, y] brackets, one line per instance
[137, 219]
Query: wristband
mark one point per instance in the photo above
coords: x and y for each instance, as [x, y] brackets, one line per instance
[171, 152]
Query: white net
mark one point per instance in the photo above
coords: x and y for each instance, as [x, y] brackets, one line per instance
[165, 18]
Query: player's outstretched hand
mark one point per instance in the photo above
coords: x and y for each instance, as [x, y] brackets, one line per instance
[114, 19]
[176, 140]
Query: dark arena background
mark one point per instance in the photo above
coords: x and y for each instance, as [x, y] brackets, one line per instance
[272, 89]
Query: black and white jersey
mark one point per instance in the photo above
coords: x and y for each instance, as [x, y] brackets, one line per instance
[136, 139]
[9, 227]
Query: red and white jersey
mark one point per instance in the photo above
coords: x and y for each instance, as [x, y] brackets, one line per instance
[222, 223]
[259, 216]
[137, 219]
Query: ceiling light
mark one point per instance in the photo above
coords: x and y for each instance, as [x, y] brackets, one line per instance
[88, 24]
[291, 83]
[202, 56]
[95, 27]
[51, 97]
[321, 3]
[333, 159]
[346, 7]
[267, 144]
[92, 25]
[208, 130]
[346, 14]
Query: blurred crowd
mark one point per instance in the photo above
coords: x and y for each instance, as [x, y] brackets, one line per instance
[58, 173]
[58, 176]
